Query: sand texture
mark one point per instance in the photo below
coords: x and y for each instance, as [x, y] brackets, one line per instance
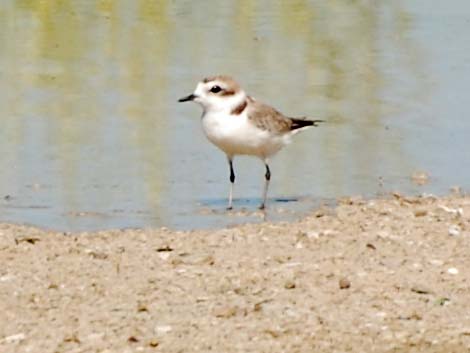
[389, 275]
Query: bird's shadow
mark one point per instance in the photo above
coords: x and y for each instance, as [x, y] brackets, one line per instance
[251, 203]
[286, 208]
[250, 207]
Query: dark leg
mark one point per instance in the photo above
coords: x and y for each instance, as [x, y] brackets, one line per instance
[232, 181]
[267, 177]
[232, 174]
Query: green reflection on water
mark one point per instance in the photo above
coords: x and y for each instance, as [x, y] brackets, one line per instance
[99, 79]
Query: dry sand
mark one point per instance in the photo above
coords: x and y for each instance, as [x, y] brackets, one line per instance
[385, 275]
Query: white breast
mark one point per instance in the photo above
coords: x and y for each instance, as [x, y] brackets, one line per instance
[235, 134]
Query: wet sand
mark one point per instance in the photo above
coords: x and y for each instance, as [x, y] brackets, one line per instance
[388, 275]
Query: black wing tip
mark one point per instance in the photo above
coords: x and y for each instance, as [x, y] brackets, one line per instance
[303, 122]
[316, 122]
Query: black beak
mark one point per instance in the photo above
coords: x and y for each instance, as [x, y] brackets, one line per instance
[187, 98]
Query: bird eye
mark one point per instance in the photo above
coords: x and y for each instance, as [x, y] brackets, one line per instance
[216, 89]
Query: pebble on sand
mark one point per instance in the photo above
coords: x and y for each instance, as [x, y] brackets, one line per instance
[454, 230]
[453, 271]
[344, 283]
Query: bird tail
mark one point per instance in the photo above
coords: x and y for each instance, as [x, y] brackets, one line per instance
[299, 123]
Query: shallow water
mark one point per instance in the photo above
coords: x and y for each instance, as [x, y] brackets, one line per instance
[92, 136]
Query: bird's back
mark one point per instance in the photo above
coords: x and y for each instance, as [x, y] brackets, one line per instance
[267, 118]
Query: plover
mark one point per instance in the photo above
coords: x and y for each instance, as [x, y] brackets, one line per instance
[240, 125]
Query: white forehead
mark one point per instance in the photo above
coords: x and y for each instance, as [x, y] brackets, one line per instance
[225, 82]
[206, 86]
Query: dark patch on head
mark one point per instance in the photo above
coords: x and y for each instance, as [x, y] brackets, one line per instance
[239, 108]
[209, 79]
[222, 91]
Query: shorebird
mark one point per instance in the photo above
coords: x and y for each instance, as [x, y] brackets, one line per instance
[240, 125]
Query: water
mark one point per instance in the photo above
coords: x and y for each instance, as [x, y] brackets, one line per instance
[92, 136]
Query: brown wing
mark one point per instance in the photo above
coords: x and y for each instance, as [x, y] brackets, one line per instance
[267, 118]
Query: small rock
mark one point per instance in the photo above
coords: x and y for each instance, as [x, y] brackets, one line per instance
[164, 248]
[6, 278]
[14, 338]
[453, 271]
[225, 311]
[162, 329]
[328, 232]
[455, 211]
[344, 283]
[454, 230]
[416, 316]
[273, 332]
[72, 338]
[164, 255]
[154, 343]
[259, 305]
[99, 255]
[204, 260]
[142, 308]
[133, 339]
[436, 262]
[345, 201]
[413, 316]
[383, 234]
[313, 235]
[27, 239]
[421, 289]
[420, 213]
[289, 285]
[442, 301]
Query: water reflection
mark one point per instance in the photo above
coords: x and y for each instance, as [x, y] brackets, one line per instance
[92, 136]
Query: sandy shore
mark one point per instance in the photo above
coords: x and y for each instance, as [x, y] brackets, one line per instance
[387, 275]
